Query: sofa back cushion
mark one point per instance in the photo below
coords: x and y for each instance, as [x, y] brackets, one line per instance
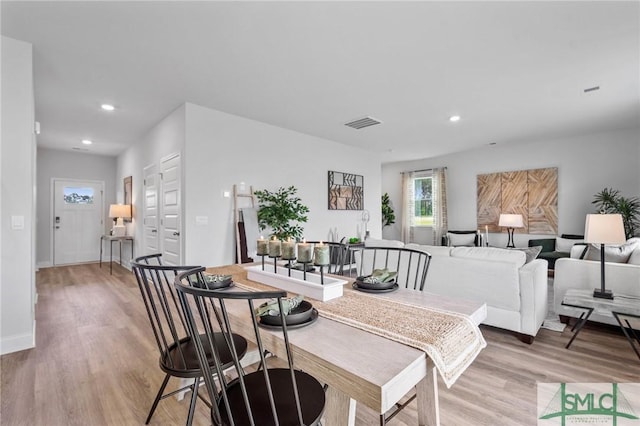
[564, 245]
[432, 250]
[491, 254]
[616, 254]
[495, 283]
[634, 259]
[456, 239]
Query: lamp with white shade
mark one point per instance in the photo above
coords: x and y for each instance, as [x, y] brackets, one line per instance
[511, 221]
[603, 229]
[119, 212]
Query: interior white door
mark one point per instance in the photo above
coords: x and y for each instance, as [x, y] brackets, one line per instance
[150, 209]
[77, 221]
[170, 210]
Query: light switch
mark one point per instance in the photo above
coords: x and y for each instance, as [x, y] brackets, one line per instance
[226, 194]
[17, 222]
[202, 220]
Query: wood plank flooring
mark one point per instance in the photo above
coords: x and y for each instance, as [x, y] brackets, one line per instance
[96, 364]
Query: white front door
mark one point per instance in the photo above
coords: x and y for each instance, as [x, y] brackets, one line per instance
[150, 209]
[77, 221]
[170, 210]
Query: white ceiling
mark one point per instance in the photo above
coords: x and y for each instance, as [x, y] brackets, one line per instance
[514, 71]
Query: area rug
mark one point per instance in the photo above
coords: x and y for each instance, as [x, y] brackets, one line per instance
[552, 322]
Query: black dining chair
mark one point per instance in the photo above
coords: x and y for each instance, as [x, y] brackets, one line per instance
[175, 342]
[410, 265]
[270, 396]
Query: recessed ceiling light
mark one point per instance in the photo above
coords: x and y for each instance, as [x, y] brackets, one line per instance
[87, 142]
[107, 107]
[454, 118]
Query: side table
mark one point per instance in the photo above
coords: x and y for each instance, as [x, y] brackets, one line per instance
[111, 240]
[621, 307]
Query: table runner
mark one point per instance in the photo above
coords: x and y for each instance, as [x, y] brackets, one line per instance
[450, 339]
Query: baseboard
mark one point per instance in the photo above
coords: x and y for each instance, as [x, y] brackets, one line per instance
[46, 264]
[18, 343]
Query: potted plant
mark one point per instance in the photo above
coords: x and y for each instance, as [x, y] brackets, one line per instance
[610, 201]
[282, 211]
[388, 215]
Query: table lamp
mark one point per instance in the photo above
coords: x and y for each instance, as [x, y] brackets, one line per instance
[603, 229]
[118, 212]
[511, 221]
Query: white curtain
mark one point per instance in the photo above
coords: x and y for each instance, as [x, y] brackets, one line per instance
[440, 225]
[408, 206]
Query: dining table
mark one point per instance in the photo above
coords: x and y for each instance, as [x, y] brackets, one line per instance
[357, 365]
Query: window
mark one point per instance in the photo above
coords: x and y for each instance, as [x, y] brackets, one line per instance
[78, 195]
[423, 201]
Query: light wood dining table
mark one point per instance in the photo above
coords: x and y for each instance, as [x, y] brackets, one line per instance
[359, 366]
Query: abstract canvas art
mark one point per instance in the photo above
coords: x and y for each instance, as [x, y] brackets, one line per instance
[346, 191]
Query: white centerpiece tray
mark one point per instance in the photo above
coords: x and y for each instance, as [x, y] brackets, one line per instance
[295, 283]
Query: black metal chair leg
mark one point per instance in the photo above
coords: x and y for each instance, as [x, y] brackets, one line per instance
[194, 398]
[158, 398]
[382, 420]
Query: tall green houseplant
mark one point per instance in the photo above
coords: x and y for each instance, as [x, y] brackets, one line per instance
[388, 215]
[610, 201]
[282, 211]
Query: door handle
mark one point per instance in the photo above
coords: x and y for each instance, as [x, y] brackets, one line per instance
[154, 230]
[176, 233]
[57, 227]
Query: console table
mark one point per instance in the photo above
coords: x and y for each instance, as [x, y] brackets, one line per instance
[111, 240]
[621, 307]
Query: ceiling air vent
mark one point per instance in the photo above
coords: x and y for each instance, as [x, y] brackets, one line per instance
[361, 123]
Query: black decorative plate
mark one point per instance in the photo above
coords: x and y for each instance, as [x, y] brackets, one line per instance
[375, 286]
[313, 316]
[298, 315]
[375, 290]
[216, 285]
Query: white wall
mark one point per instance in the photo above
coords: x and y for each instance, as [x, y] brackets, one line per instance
[222, 150]
[165, 138]
[219, 150]
[586, 164]
[68, 165]
[17, 169]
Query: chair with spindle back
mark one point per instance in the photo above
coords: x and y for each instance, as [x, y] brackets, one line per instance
[270, 396]
[411, 265]
[175, 343]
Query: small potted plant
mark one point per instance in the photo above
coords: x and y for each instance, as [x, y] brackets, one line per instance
[282, 211]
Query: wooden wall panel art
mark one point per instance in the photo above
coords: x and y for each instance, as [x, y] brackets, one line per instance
[531, 193]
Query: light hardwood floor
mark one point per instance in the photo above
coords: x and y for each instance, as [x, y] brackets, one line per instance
[95, 363]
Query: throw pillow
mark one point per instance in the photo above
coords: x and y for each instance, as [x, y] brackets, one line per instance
[614, 254]
[530, 252]
[564, 244]
[457, 240]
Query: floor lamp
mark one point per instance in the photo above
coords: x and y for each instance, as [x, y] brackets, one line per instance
[511, 221]
[603, 229]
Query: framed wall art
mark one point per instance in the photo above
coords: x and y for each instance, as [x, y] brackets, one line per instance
[346, 191]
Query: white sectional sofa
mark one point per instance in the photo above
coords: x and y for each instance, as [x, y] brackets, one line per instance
[515, 291]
